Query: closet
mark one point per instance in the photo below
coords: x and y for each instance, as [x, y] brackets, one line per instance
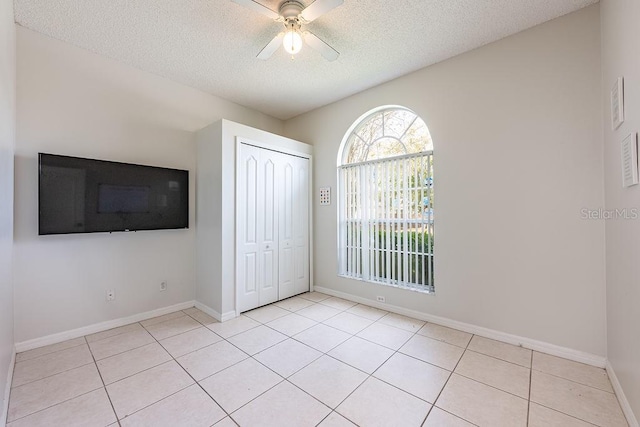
[253, 216]
[272, 226]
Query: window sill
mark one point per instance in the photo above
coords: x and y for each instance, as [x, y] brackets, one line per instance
[391, 285]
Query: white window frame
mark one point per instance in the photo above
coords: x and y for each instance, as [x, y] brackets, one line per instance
[367, 198]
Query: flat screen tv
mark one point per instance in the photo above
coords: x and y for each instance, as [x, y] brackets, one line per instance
[90, 196]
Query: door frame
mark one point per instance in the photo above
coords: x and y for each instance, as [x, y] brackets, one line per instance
[239, 140]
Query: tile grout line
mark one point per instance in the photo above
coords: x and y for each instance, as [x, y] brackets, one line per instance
[530, 385]
[104, 386]
[53, 375]
[554, 409]
[122, 352]
[489, 385]
[64, 401]
[157, 401]
[568, 415]
[114, 335]
[498, 358]
[366, 379]
[573, 381]
[140, 371]
[48, 354]
[59, 403]
[456, 416]
[181, 367]
[449, 378]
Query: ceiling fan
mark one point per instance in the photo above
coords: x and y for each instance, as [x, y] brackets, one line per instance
[293, 15]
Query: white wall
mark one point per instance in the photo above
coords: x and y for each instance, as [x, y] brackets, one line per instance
[209, 245]
[7, 140]
[70, 101]
[517, 131]
[216, 196]
[620, 58]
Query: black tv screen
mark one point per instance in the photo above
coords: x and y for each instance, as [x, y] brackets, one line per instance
[79, 195]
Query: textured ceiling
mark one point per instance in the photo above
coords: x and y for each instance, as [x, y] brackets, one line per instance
[212, 44]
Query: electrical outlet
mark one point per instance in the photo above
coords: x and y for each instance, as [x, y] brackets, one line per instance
[380, 299]
[111, 294]
[163, 286]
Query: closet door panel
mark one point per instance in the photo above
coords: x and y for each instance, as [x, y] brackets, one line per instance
[301, 226]
[287, 245]
[247, 229]
[268, 227]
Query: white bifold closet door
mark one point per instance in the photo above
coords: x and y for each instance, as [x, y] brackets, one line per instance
[272, 226]
[294, 227]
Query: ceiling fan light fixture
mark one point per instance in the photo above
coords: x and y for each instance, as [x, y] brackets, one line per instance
[293, 15]
[292, 42]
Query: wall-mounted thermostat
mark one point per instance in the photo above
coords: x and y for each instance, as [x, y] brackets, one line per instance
[325, 195]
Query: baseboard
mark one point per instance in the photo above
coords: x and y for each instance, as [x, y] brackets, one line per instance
[99, 327]
[543, 347]
[624, 403]
[7, 390]
[210, 311]
[229, 315]
[213, 313]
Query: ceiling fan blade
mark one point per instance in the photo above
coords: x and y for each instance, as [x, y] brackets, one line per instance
[257, 7]
[271, 47]
[319, 8]
[315, 43]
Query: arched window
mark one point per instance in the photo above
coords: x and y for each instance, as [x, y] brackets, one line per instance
[386, 231]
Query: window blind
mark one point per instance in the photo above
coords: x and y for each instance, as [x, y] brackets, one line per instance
[386, 223]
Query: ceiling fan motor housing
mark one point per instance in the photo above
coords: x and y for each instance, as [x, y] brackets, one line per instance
[290, 9]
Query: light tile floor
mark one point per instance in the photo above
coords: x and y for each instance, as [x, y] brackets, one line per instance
[311, 360]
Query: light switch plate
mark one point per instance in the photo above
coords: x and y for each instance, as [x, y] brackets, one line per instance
[629, 151]
[325, 195]
[617, 103]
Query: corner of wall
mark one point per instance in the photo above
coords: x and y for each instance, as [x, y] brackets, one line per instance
[622, 398]
[7, 149]
[618, 20]
[7, 389]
